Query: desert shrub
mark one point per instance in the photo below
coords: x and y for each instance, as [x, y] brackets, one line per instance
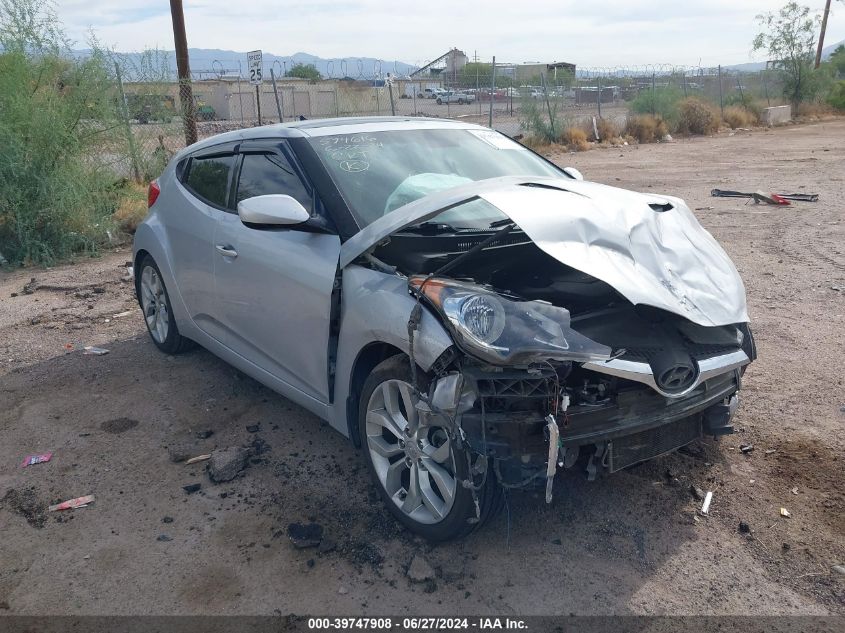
[607, 130]
[646, 128]
[536, 122]
[697, 117]
[57, 121]
[662, 102]
[737, 116]
[575, 139]
[836, 98]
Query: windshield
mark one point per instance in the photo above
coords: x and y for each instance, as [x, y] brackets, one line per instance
[378, 172]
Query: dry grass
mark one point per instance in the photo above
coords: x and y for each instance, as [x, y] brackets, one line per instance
[646, 128]
[697, 117]
[575, 139]
[738, 116]
[607, 129]
[814, 111]
[132, 208]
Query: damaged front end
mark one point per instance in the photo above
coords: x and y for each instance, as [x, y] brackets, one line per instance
[529, 395]
[598, 324]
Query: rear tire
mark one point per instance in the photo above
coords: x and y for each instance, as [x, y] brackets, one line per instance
[157, 311]
[418, 475]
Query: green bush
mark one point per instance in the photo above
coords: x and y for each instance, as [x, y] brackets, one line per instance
[57, 123]
[536, 122]
[662, 102]
[836, 98]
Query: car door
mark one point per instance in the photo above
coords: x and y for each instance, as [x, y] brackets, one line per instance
[201, 199]
[274, 284]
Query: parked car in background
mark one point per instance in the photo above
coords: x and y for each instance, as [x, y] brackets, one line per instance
[469, 314]
[451, 96]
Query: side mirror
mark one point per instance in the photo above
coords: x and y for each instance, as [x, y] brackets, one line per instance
[574, 173]
[275, 209]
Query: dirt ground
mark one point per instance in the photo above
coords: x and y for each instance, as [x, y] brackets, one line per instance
[630, 543]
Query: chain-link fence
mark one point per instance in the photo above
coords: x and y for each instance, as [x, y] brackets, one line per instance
[514, 99]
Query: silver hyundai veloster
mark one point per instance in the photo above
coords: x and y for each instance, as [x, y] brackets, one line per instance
[469, 314]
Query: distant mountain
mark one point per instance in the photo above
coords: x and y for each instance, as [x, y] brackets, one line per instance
[753, 67]
[827, 51]
[213, 62]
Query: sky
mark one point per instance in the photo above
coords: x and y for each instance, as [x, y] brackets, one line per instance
[591, 34]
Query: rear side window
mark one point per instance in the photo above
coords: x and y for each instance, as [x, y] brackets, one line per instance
[209, 177]
[264, 174]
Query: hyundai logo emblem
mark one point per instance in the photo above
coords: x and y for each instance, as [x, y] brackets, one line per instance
[676, 378]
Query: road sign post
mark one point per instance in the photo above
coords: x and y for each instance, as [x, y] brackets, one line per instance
[255, 77]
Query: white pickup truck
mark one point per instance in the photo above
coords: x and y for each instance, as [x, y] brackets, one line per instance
[450, 96]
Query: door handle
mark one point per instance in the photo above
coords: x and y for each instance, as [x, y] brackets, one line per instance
[226, 251]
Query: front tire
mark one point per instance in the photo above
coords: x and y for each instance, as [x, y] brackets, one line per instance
[157, 311]
[418, 468]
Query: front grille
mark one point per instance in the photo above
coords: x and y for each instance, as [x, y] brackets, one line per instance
[638, 447]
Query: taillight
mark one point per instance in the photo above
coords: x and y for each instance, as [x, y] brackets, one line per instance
[152, 193]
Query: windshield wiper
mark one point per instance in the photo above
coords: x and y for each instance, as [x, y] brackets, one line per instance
[431, 228]
[478, 247]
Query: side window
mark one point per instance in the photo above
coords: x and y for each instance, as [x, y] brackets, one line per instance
[209, 177]
[263, 174]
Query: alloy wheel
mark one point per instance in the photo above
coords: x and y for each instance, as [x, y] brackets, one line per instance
[413, 459]
[154, 304]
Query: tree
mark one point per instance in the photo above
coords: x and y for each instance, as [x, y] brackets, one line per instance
[789, 38]
[304, 71]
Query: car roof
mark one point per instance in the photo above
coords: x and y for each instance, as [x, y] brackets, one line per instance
[325, 127]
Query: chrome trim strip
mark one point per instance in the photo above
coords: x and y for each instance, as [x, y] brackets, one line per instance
[641, 372]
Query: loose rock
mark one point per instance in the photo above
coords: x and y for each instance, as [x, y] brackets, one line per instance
[839, 569]
[696, 492]
[744, 528]
[305, 535]
[420, 570]
[192, 488]
[226, 464]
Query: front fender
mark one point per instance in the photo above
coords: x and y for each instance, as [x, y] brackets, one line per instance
[375, 309]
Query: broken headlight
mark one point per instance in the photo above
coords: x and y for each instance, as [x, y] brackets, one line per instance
[505, 332]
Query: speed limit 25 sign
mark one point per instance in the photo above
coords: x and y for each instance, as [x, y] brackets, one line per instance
[254, 65]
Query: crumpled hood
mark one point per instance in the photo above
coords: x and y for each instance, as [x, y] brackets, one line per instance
[658, 256]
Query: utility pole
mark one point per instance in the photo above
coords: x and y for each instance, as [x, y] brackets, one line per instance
[821, 35]
[186, 93]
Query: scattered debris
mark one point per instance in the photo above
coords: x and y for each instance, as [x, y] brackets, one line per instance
[770, 451]
[204, 434]
[696, 492]
[31, 287]
[120, 315]
[167, 519]
[70, 504]
[774, 198]
[253, 428]
[164, 538]
[785, 513]
[192, 488]
[839, 569]
[90, 350]
[305, 535]
[744, 528]
[225, 464]
[704, 208]
[420, 570]
[31, 460]
[705, 507]
[198, 458]
[746, 448]
[794, 490]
